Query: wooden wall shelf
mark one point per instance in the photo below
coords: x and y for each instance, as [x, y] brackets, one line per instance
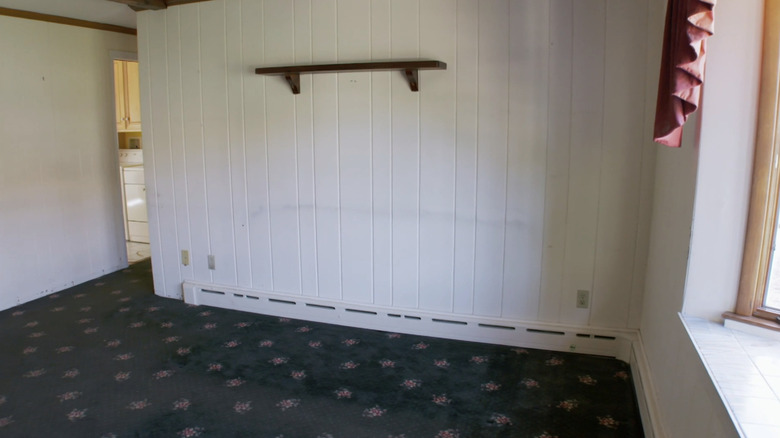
[409, 68]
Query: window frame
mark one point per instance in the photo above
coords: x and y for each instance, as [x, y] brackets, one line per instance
[765, 188]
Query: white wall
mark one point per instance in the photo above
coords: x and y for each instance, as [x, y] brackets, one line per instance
[698, 223]
[60, 208]
[728, 135]
[511, 180]
[686, 397]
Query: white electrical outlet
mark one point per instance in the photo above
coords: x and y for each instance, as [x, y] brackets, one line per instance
[185, 257]
[212, 262]
[583, 299]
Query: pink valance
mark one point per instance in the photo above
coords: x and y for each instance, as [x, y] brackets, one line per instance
[688, 25]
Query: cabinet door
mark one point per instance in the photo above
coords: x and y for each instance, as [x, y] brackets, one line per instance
[133, 115]
[139, 231]
[120, 95]
[135, 196]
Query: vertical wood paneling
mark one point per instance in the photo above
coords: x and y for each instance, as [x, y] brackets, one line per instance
[586, 144]
[558, 158]
[177, 152]
[621, 161]
[354, 43]
[324, 94]
[437, 156]
[381, 156]
[506, 184]
[213, 70]
[654, 25]
[305, 140]
[256, 147]
[192, 102]
[282, 166]
[493, 104]
[236, 142]
[146, 25]
[528, 103]
[160, 172]
[466, 75]
[404, 22]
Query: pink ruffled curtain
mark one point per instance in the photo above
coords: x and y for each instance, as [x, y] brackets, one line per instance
[688, 25]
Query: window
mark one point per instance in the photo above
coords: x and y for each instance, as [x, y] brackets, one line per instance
[754, 304]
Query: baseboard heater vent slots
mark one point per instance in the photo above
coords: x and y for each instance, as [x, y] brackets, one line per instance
[365, 312]
[449, 321]
[495, 326]
[556, 337]
[320, 306]
[548, 332]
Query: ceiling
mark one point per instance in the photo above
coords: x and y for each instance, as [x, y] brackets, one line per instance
[100, 11]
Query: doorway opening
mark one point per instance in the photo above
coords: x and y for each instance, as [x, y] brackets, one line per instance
[127, 98]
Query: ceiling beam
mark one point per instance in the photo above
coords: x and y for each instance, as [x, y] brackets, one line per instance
[143, 4]
[66, 20]
[183, 2]
[154, 5]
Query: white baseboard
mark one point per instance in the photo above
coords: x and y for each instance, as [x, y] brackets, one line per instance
[557, 337]
[645, 391]
[18, 300]
[625, 345]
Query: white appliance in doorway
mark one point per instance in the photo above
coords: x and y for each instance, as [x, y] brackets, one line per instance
[133, 195]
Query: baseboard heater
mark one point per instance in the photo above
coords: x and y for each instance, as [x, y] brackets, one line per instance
[603, 342]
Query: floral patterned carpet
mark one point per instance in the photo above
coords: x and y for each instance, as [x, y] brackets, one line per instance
[107, 358]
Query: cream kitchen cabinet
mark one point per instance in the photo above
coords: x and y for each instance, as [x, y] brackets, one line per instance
[128, 96]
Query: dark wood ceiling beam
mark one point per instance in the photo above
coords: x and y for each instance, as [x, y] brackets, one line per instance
[154, 5]
[143, 4]
[65, 20]
[183, 2]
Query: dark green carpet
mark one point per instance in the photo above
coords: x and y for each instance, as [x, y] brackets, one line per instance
[108, 358]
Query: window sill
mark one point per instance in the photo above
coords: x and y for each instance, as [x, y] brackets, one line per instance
[745, 370]
[756, 326]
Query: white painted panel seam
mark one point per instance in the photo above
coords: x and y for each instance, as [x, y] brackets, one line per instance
[155, 232]
[243, 138]
[267, 174]
[601, 170]
[184, 140]
[506, 162]
[170, 150]
[229, 146]
[202, 133]
[297, 169]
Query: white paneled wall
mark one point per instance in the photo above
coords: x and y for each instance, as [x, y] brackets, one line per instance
[511, 180]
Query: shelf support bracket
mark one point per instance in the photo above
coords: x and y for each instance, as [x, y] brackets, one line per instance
[294, 79]
[411, 76]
